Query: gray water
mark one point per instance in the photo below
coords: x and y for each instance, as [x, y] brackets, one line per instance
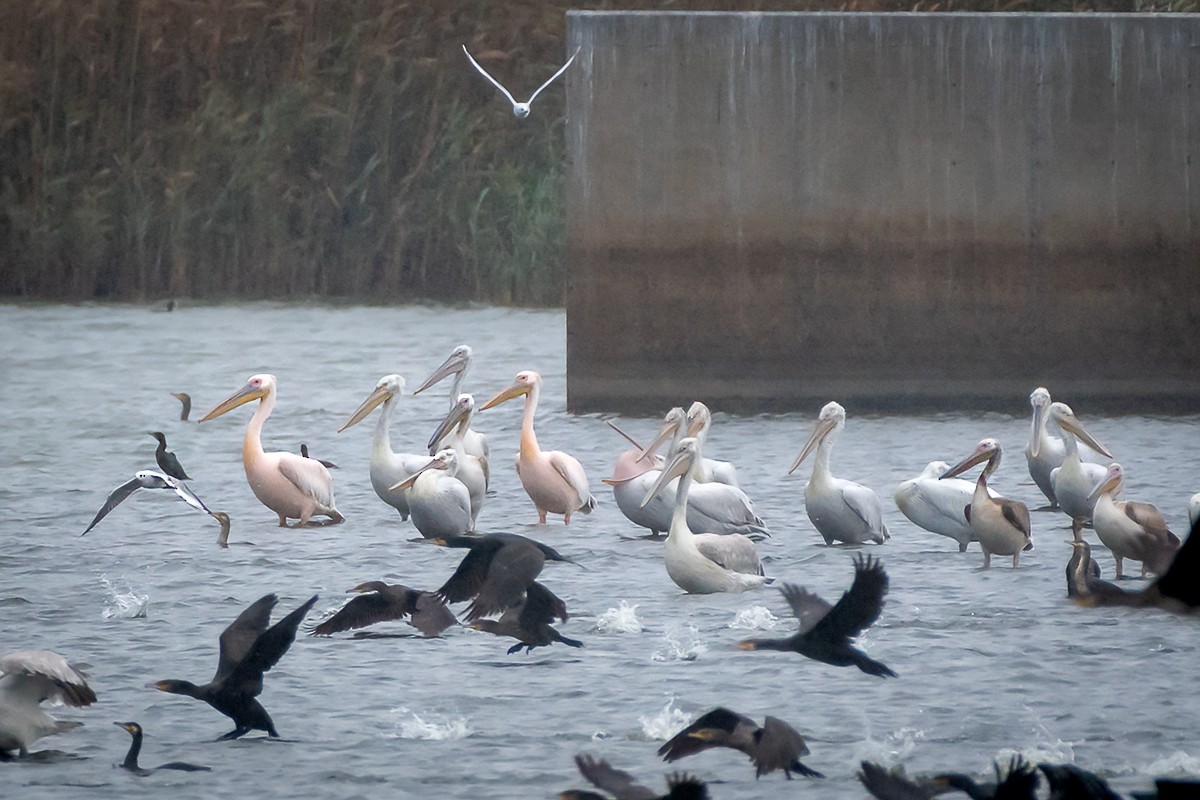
[989, 662]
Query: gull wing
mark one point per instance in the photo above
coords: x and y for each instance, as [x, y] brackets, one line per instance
[115, 498]
[491, 80]
[552, 78]
[188, 496]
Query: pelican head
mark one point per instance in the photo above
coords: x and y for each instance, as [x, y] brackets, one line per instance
[1111, 482]
[677, 465]
[987, 450]
[672, 422]
[699, 418]
[460, 414]
[444, 459]
[258, 387]
[832, 418]
[389, 386]
[525, 383]
[457, 363]
[1039, 400]
[1066, 419]
[934, 469]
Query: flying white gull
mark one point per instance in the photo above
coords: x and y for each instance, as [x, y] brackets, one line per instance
[520, 110]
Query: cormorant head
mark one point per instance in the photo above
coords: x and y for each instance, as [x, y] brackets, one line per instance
[131, 727]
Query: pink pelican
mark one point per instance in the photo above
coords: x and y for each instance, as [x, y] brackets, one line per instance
[554, 481]
[1136, 531]
[292, 486]
[1000, 525]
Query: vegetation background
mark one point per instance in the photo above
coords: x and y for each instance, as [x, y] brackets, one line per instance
[296, 148]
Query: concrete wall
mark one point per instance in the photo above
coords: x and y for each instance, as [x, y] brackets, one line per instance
[893, 210]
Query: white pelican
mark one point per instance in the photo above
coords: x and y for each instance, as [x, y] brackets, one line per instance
[1045, 451]
[292, 486]
[554, 481]
[1074, 480]
[1194, 510]
[841, 510]
[1136, 531]
[694, 423]
[440, 503]
[520, 110]
[1000, 525]
[147, 479]
[703, 563]
[470, 469]
[712, 507]
[457, 364]
[28, 677]
[936, 505]
[387, 467]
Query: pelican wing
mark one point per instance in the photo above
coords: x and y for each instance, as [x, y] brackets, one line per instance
[734, 552]
[864, 503]
[492, 80]
[721, 508]
[1150, 518]
[115, 498]
[572, 472]
[551, 79]
[45, 675]
[808, 607]
[1016, 513]
[308, 475]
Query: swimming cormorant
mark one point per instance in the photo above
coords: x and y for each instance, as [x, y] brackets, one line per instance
[135, 747]
[825, 631]
[381, 602]
[186, 400]
[248, 649]
[146, 479]
[529, 621]
[167, 461]
[1176, 590]
[622, 786]
[774, 745]
[326, 464]
[27, 678]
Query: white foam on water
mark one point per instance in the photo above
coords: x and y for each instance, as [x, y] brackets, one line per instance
[127, 604]
[893, 749]
[681, 643]
[666, 723]
[433, 727]
[622, 619]
[1176, 764]
[755, 618]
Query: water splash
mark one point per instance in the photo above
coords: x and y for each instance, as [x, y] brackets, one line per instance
[1177, 764]
[621, 619]
[127, 604]
[755, 618]
[666, 723]
[893, 749]
[681, 643]
[437, 727]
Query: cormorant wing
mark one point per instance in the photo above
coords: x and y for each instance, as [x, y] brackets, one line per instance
[1179, 581]
[367, 609]
[39, 675]
[808, 607]
[778, 747]
[472, 571]
[514, 567]
[859, 606]
[684, 744]
[115, 498]
[432, 616]
[239, 637]
[540, 608]
[892, 784]
[268, 648]
[616, 782]
[682, 786]
[1020, 783]
[169, 464]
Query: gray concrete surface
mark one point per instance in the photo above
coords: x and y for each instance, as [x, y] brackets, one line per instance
[768, 211]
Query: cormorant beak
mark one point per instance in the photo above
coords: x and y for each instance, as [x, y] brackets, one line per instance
[1071, 423]
[819, 433]
[475, 626]
[747, 644]
[978, 455]
[455, 363]
[241, 397]
[667, 432]
[376, 397]
[679, 464]
[128, 726]
[516, 390]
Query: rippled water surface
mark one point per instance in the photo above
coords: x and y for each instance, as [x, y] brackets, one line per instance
[989, 662]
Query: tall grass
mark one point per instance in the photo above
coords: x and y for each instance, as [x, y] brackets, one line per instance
[218, 148]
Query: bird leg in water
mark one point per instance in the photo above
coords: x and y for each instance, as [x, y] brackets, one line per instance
[236, 733]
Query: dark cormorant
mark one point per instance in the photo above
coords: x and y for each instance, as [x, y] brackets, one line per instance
[1020, 782]
[326, 464]
[529, 621]
[1081, 568]
[135, 747]
[248, 649]
[622, 786]
[1069, 782]
[1176, 590]
[496, 572]
[186, 400]
[825, 631]
[167, 461]
[893, 784]
[1171, 789]
[223, 536]
[381, 602]
[774, 745]
[146, 479]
